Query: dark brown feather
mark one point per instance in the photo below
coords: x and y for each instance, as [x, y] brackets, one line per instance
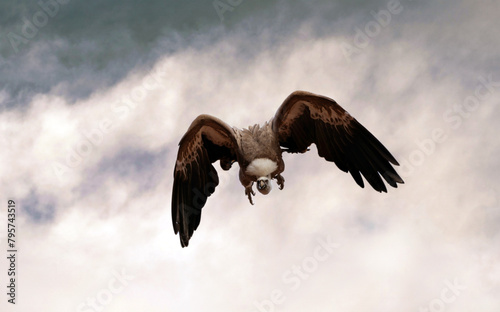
[305, 118]
[207, 140]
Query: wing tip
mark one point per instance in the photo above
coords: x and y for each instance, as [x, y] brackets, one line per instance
[393, 160]
[184, 240]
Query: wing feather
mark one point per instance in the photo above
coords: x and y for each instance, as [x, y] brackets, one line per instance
[207, 140]
[305, 118]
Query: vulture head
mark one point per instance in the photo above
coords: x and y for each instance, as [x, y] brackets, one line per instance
[264, 185]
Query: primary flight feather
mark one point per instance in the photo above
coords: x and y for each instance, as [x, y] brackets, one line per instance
[303, 118]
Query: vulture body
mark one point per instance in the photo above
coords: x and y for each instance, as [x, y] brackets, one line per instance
[303, 118]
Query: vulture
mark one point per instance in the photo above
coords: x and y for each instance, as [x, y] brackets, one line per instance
[303, 119]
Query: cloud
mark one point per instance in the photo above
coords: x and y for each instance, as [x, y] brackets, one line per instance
[82, 47]
[91, 172]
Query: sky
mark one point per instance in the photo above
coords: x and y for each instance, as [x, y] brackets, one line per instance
[95, 96]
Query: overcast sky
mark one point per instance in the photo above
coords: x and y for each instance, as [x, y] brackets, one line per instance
[94, 98]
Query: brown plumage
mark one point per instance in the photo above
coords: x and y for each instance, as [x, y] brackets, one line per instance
[303, 118]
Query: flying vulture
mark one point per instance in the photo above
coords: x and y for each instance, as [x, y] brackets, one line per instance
[303, 118]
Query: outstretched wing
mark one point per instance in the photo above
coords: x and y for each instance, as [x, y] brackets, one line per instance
[207, 140]
[305, 118]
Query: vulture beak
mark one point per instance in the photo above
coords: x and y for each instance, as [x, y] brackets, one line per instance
[261, 184]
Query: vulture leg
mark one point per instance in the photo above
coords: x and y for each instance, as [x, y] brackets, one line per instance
[249, 192]
[281, 181]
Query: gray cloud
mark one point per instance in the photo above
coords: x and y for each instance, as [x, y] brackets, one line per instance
[86, 46]
[111, 209]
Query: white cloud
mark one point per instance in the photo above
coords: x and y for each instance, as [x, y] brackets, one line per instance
[397, 250]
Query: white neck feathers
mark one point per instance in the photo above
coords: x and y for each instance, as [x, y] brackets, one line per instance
[261, 167]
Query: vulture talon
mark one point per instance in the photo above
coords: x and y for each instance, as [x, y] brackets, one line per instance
[249, 192]
[281, 181]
